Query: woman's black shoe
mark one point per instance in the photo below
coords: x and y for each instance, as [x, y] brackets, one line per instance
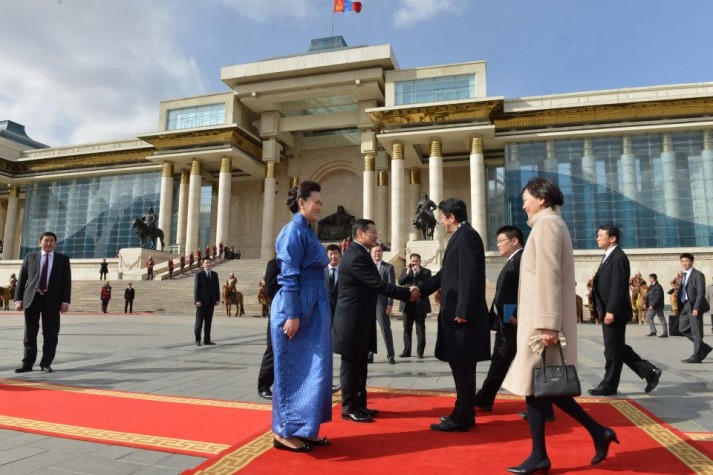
[322, 442]
[543, 466]
[602, 446]
[305, 448]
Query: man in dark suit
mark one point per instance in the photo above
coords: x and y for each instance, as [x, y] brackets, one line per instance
[414, 312]
[129, 295]
[384, 304]
[44, 291]
[266, 376]
[354, 326]
[654, 306]
[509, 241]
[206, 295]
[693, 304]
[463, 336]
[611, 296]
[331, 275]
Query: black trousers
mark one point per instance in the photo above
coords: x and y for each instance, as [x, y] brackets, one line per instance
[50, 332]
[504, 350]
[352, 377]
[464, 376]
[204, 318]
[692, 328]
[128, 305]
[412, 316]
[617, 353]
[266, 376]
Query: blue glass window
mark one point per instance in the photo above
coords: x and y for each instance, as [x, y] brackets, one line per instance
[438, 89]
[201, 116]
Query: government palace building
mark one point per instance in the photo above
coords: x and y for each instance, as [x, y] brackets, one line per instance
[376, 137]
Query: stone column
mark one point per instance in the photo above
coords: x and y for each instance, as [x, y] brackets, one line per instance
[222, 227]
[182, 211]
[369, 207]
[670, 192]
[707, 165]
[398, 202]
[193, 221]
[3, 216]
[267, 243]
[414, 196]
[435, 183]
[551, 161]
[589, 177]
[13, 203]
[628, 180]
[165, 206]
[213, 215]
[478, 189]
[382, 206]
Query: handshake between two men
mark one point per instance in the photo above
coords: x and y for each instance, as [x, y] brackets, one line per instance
[415, 293]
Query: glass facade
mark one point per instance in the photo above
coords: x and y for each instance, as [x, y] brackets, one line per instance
[190, 117]
[92, 217]
[438, 89]
[651, 186]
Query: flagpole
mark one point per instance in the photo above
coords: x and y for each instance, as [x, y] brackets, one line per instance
[332, 22]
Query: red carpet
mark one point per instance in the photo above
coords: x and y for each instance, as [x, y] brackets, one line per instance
[400, 442]
[189, 426]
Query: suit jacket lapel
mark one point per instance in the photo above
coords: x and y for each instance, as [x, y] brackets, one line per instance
[452, 240]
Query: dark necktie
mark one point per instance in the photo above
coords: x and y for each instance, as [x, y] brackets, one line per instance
[684, 294]
[43, 274]
[331, 279]
[207, 274]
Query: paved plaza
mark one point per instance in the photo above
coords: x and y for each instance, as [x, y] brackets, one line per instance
[154, 353]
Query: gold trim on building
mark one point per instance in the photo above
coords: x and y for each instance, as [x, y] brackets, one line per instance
[436, 148]
[476, 145]
[226, 165]
[397, 151]
[185, 177]
[14, 191]
[167, 169]
[369, 162]
[270, 169]
[382, 178]
[414, 176]
[196, 167]
[667, 143]
[473, 111]
[627, 148]
[176, 140]
[294, 181]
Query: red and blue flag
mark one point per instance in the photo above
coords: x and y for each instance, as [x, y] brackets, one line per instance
[346, 6]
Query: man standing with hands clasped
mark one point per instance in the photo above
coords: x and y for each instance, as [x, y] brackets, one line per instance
[414, 312]
[693, 304]
[44, 291]
[611, 296]
[463, 325]
[354, 326]
[206, 295]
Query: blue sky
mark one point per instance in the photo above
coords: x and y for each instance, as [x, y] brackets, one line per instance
[78, 71]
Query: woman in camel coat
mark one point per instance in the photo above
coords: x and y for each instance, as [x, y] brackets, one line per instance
[547, 307]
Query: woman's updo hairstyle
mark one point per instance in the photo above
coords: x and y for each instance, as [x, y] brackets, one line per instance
[303, 190]
[543, 188]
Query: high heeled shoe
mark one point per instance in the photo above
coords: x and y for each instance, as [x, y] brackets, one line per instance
[602, 446]
[543, 466]
[305, 448]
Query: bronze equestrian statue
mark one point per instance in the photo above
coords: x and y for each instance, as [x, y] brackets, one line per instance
[144, 229]
[424, 220]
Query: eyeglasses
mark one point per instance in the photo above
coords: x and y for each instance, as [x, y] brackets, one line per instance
[500, 241]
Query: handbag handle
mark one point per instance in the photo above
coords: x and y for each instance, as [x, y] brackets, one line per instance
[564, 363]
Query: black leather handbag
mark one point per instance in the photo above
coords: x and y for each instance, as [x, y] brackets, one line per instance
[555, 381]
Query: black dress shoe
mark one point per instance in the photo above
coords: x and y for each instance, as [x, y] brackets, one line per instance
[198, 343]
[544, 467]
[663, 336]
[391, 360]
[265, 394]
[47, 368]
[600, 391]
[706, 352]
[484, 408]
[420, 357]
[305, 448]
[208, 343]
[336, 388]
[652, 380]
[692, 359]
[523, 414]
[24, 369]
[405, 355]
[445, 418]
[602, 446]
[369, 412]
[323, 442]
[651, 334]
[449, 426]
[357, 417]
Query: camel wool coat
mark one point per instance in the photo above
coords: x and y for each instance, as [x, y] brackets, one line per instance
[546, 297]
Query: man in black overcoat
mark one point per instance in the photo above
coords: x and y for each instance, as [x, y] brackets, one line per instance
[206, 295]
[354, 326]
[463, 324]
[611, 296]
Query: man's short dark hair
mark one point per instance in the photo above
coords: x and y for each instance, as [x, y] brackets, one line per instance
[334, 247]
[686, 255]
[207, 259]
[612, 231]
[361, 224]
[511, 232]
[415, 254]
[654, 276]
[48, 233]
[454, 207]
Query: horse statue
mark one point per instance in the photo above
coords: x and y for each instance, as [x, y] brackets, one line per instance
[424, 220]
[144, 231]
[231, 297]
[263, 299]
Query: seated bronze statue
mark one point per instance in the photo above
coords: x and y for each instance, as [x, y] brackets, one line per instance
[336, 226]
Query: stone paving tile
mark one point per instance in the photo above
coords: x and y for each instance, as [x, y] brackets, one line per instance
[113, 452]
[181, 462]
[87, 464]
[145, 457]
[35, 463]
[16, 453]
[67, 445]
